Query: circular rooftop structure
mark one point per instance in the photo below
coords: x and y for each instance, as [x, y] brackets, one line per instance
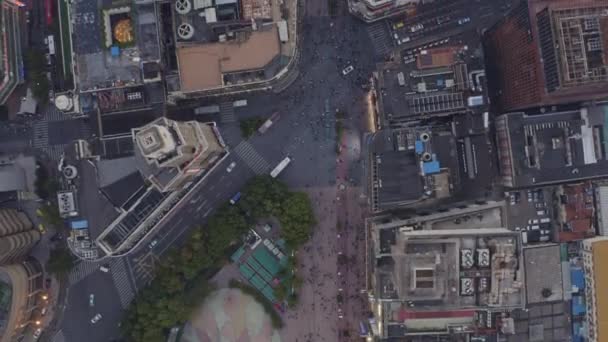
[64, 103]
[185, 31]
[229, 315]
[183, 6]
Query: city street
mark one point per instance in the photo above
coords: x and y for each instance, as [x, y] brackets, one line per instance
[306, 132]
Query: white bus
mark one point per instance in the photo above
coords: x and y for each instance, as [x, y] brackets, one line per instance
[282, 165]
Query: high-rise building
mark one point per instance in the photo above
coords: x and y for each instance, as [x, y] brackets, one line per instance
[595, 252]
[21, 285]
[174, 152]
[17, 235]
[11, 54]
[374, 10]
[548, 52]
[170, 159]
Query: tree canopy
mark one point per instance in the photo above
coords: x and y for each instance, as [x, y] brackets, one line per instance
[181, 281]
[61, 261]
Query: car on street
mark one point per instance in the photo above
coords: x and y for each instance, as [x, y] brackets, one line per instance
[347, 70]
[464, 20]
[96, 318]
[153, 243]
[235, 198]
[37, 334]
[41, 228]
[416, 28]
[104, 268]
[91, 300]
[398, 25]
[230, 167]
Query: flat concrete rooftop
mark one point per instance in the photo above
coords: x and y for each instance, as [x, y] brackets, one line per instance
[202, 66]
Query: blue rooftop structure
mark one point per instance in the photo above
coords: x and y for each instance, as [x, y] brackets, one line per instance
[578, 305]
[577, 278]
[430, 168]
[80, 224]
[419, 146]
[115, 51]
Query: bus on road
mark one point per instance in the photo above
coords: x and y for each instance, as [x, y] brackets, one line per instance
[282, 165]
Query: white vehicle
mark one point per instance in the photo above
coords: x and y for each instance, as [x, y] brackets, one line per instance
[104, 268]
[153, 243]
[348, 70]
[230, 167]
[280, 167]
[37, 334]
[545, 220]
[43, 311]
[464, 20]
[417, 28]
[535, 227]
[91, 300]
[405, 39]
[240, 103]
[96, 318]
[524, 237]
[541, 212]
[545, 232]
[533, 221]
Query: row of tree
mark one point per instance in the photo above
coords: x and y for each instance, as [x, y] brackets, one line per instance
[181, 281]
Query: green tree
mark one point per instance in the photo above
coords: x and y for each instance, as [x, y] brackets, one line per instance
[264, 196]
[50, 215]
[61, 261]
[250, 125]
[297, 219]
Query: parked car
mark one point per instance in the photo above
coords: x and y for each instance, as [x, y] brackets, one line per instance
[416, 28]
[347, 70]
[96, 318]
[235, 198]
[153, 243]
[104, 268]
[230, 167]
[464, 20]
[37, 334]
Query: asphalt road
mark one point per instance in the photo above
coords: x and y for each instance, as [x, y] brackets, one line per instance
[305, 132]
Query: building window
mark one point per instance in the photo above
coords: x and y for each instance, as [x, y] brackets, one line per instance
[594, 44]
[591, 24]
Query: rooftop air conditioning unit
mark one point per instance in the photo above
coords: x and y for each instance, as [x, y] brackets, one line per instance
[185, 31]
[183, 6]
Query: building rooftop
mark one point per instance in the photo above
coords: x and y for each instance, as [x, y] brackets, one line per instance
[545, 260]
[129, 36]
[447, 274]
[432, 82]
[435, 164]
[249, 51]
[11, 73]
[551, 148]
[548, 52]
[576, 211]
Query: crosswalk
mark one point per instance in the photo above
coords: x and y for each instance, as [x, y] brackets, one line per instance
[54, 114]
[227, 112]
[59, 337]
[55, 151]
[121, 281]
[251, 157]
[118, 270]
[41, 134]
[380, 37]
[83, 270]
